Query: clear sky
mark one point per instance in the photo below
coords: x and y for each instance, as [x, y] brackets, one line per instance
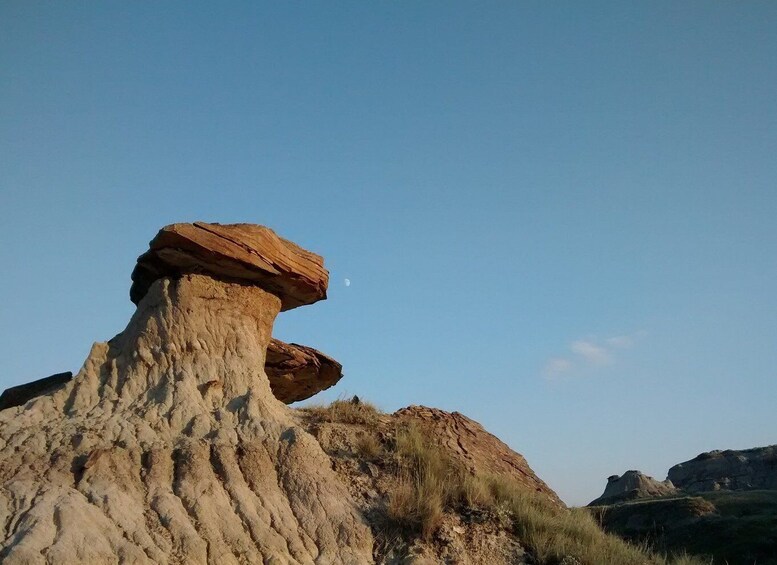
[557, 218]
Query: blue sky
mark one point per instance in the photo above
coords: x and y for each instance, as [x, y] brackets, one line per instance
[557, 218]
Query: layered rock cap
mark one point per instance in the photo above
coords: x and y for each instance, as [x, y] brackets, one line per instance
[239, 252]
[18, 395]
[297, 372]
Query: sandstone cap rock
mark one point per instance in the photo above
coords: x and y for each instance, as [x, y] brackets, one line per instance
[235, 252]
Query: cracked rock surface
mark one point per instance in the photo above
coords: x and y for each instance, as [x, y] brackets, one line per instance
[746, 469]
[169, 447]
[243, 252]
[479, 451]
[297, 372]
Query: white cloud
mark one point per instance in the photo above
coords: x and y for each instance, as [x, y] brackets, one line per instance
[625, 341]
[592, 353]
[620, 341]
[556, 366]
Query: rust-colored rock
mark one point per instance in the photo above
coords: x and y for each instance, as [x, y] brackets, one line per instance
[468, 442]
[297, 372]
[244, 253]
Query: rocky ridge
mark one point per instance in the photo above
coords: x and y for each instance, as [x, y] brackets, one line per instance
[720, 505]
[747, 469]
[479, 451]
[728, 470]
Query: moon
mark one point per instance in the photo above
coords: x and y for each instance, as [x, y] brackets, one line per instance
[347, 282]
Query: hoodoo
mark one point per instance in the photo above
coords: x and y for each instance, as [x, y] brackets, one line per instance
[169, 445]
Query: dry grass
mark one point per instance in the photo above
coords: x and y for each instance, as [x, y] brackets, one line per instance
[429, 483]
[345, 412]
[368, 447]
[423, 488]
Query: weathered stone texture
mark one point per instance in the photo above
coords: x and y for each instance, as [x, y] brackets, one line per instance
[245, 253]
[747, 469]
[632, 485]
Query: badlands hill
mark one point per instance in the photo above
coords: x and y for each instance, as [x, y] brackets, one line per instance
[720, 505]
[174, 442]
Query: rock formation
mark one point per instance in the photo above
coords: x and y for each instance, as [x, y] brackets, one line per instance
[723, 507]
[18, 395]
[296, 372]
[747, 469]
[237, 252]
[168, 446]
[632, 485]
[469, 536]
[479, 451]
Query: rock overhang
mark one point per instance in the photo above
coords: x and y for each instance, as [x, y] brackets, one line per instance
[246, 253]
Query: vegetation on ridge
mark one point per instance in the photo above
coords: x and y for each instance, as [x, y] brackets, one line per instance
[427, 485]
[734, 527]
[353, 411]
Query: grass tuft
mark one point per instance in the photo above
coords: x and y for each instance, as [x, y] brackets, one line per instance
[368, 447]
[425, 479]
[353, 411]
